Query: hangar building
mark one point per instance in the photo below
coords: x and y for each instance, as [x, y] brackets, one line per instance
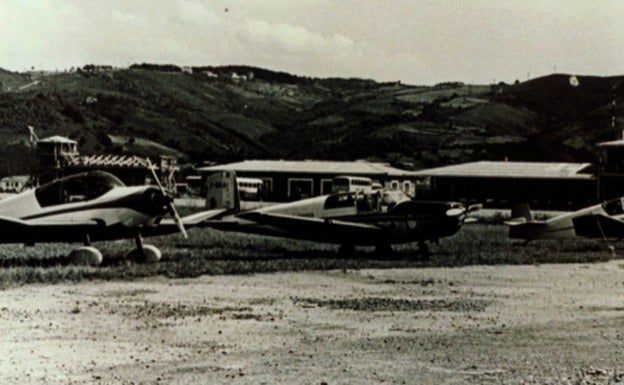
[544, 185]
[286, 180]
[611, 170]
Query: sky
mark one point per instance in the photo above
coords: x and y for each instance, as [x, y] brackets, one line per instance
[416, 42]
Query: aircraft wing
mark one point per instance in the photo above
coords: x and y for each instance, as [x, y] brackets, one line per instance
[313, 227]
[194, 219]
[598, 226]
[13, 230]
[168, 225]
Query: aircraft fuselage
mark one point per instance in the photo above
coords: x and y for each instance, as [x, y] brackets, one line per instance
[401, 222]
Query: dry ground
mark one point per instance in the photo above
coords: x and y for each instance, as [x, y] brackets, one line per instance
[540, 324]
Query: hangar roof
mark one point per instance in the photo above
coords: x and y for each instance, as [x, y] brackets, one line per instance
[613, 143]
[311, 166]
[57, 139]
[491, 169]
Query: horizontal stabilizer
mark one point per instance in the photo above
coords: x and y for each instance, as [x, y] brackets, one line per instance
[516, 221]
[598, 226]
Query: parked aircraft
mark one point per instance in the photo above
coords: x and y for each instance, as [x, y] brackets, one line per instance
[92, 206]
[375, 218]
[604, 220]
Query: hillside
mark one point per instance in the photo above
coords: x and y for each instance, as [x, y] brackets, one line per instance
[237, 112]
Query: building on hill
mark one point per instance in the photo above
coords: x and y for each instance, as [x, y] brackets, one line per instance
[286, 180]
[543, 185]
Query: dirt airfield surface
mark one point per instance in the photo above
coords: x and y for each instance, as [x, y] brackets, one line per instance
[530, 324]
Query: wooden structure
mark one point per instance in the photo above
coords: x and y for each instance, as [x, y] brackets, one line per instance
[58, 156]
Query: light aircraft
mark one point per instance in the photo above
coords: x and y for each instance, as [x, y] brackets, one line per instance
[604, 221]
[355, 218]
[92, 206]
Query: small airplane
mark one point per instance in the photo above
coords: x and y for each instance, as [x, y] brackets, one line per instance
[92, 206]
[604, 221]
[377, 218]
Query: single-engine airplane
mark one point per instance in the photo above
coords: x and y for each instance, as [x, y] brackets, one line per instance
[604, 221]
[92, 206]
[356, 218]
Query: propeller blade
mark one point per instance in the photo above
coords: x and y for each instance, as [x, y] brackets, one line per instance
[170, 206]
[151, 168]
[455, 212]
[177, 219]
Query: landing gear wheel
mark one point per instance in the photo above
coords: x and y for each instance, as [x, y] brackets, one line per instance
[144, 253]
[346, 250]
[424, 250]
[85, 256]
[147, 253]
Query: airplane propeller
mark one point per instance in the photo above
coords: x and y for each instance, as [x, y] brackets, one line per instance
[455, 211]
[464, 212]
[170, 206]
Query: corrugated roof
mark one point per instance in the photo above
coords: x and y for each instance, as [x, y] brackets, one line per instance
[57, 139]
[21, 178]
[310, 166]
[511, 170]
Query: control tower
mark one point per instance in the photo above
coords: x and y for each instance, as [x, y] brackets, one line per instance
[53, 156]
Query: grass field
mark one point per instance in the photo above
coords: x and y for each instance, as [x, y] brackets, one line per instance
[214, 252]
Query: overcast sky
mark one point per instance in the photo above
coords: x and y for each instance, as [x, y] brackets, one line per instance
[417, 42]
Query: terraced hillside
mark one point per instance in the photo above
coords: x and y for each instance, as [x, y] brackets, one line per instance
[236, 112]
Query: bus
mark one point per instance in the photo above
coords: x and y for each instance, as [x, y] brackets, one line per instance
[352, 184]
[250, 189]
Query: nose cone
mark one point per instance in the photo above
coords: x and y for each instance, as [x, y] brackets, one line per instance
[154, 202]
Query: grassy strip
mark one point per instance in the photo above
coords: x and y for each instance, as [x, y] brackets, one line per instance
[212, 252]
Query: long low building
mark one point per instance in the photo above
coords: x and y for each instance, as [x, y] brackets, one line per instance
[286, 180]
[543, 185]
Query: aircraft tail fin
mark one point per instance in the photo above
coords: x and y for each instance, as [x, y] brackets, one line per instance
[222, 191]
[521, 213]
[522, 225]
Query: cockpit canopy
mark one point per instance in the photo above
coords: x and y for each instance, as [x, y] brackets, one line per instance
[379, 200]
[614, 207]
[76, 188]
[392, 197]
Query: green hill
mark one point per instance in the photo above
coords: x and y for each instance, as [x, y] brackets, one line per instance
[236, 112]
